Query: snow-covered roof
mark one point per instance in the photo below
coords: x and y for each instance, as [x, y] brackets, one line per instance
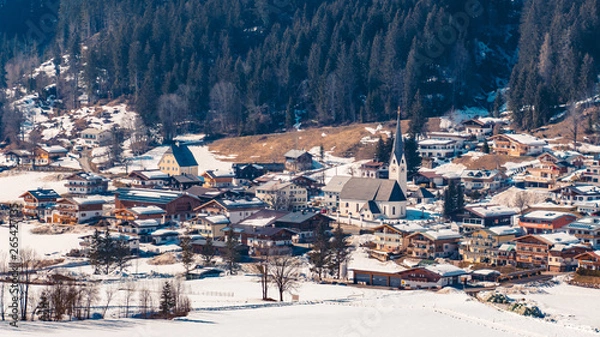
[443, 234]
[483, 174]
[436, 141]
[525, 139]
[562, 238]
[505, 230]
[446, 270]
[545, 215]
[587, 223]
[485, 272]
[165, 231]
[146, 223]
[506, 247]
[491, 210]
[147, 210]
[218, 219]
[88, 201]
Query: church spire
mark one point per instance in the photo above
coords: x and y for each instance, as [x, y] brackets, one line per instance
[398, 169]
[398, 149]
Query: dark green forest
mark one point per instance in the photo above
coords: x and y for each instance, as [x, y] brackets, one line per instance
[236, 67]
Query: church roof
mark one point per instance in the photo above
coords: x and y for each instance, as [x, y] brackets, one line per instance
[398, 149]
[372, 189]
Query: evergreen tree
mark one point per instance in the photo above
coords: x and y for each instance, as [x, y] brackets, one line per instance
[167, 300]
[320, 255]
[380, 150]
[485, 148]
[232, 253]
[187, 254]
[43, 308]
[340, 252]
[413, 157]
[208, 252]
[449, 200]
[95, 251]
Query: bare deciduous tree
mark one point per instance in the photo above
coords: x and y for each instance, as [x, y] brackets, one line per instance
[129, 289]
[3, 269]
[28, 264]
[109, 293]
[284, 273]
[172, 109]
[262, 269]
[521, 201]
[225, 107]
[145, 302]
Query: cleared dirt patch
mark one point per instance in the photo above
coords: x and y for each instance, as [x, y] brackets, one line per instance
[488, 161]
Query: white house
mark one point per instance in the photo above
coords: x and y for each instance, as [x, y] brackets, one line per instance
[438, 148]
[96, 137]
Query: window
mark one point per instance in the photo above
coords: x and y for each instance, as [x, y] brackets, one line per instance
[394, 210]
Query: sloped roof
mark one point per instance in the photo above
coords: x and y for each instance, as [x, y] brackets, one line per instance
[297, 217]
[336, 184]
[183, 155]
[422, 192]
[262, 218]
[295, 153]
[42, 194]
[187, 178]
[372, 189]
[371, 206]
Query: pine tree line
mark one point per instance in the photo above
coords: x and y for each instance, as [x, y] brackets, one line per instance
[249, 66]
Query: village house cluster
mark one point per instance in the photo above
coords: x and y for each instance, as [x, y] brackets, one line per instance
[271, 207]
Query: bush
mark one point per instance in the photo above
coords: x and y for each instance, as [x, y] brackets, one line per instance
[588, 272]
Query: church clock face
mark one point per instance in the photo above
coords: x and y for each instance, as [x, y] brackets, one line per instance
[393, 169]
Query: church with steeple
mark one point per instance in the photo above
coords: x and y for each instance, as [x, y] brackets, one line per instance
[374, 199]
[397, 168]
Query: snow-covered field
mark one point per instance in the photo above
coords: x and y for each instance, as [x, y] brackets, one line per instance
[326, 310]
[15, 183]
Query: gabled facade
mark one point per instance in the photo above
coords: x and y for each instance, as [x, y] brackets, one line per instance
[177, 205]
[517, 145]
[373, 169]
[37, 200]
[587, 230]
[478, 128]
[483, 180]
[235, 210]
[140, 213]
[44, 155]
[283, 196]
[96, 137]
[589, 260]
[218, 179]
[482, 245]
[77, 210]
[298, 161]
[83, 183]
[391, 239]
[372, 199]
[148, 178]
[209, 226]
[433, 244]
[178, 159]
[533, 250]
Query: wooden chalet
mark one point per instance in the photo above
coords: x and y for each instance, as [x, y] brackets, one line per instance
[37, 200]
